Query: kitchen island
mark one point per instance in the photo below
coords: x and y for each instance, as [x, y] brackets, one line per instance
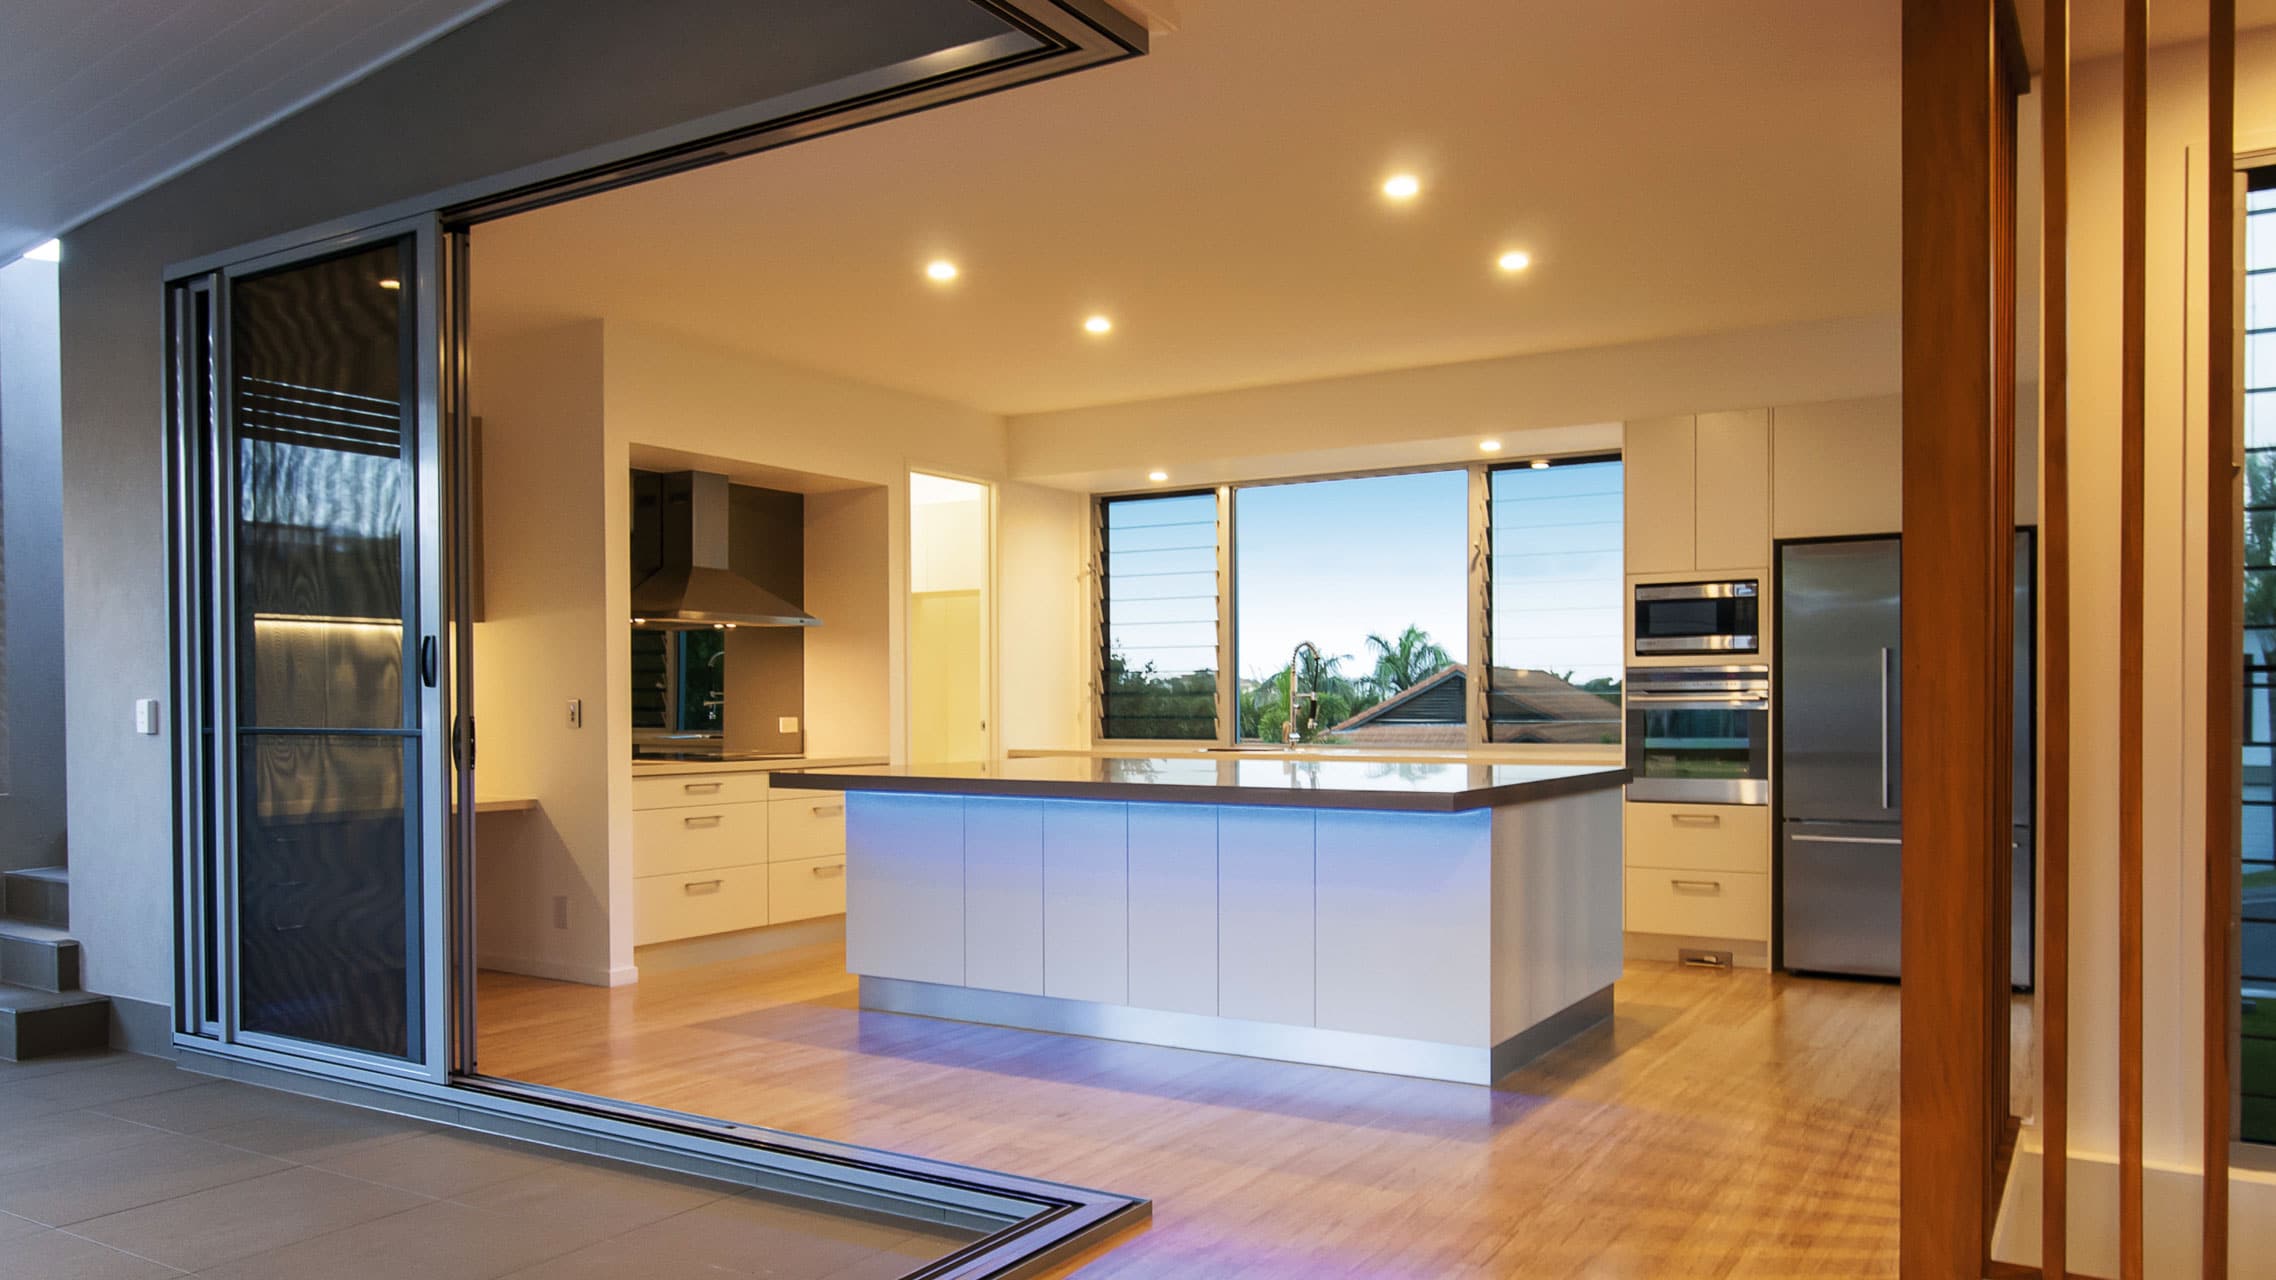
[1451, 921]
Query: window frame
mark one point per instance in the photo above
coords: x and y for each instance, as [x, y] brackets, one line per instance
[1478, 591]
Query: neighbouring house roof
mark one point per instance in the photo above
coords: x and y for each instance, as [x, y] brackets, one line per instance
[1527, 706]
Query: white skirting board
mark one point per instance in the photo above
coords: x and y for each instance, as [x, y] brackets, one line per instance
[2172, 1208]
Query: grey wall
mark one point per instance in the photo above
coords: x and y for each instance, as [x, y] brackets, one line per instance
[31, 560]
[460, 109]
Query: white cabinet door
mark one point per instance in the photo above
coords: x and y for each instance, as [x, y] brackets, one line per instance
[1086, 901]
[905, 887]
[1003, 894]
[1733, 467]
[1406, 924]
[1264, 919]
[1837, 468]
[1657, 467]
[1173, 907]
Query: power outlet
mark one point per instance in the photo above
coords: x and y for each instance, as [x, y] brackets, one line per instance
[786, 724]
[561, 911]
[576, 713]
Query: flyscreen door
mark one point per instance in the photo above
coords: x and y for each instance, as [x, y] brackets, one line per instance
[312, 730]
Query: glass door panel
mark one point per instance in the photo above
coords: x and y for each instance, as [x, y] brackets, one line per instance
[320, 527]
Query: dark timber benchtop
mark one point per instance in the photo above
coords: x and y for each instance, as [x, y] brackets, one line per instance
[1234, 779]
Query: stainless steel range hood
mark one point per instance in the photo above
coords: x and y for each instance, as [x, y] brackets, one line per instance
[696, 587]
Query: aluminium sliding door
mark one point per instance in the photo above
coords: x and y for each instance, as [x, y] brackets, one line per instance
[315, 754]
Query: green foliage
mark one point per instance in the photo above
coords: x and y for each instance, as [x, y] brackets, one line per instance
[1143, 703]
[1405, 662]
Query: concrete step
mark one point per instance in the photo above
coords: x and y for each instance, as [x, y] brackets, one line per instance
[38, 894]
[39, 956]
[39, 1024]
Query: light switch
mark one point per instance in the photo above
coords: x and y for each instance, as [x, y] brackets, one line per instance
[786, 724]
[146, 716]
[576, 713]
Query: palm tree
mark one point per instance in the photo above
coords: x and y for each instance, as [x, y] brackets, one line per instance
[1403, 663]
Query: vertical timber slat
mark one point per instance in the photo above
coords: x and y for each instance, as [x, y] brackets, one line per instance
[2055, 598]
[1950, 62]
[2223, 654]
[2132, 316]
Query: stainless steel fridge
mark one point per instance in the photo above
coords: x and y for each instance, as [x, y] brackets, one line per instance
[1840, 753]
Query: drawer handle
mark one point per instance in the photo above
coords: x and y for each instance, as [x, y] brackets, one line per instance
[700, 788]
[828, 810]
[702, 820]
[701, 886]
[1697, 819]
[1697, 886]
[833, 869]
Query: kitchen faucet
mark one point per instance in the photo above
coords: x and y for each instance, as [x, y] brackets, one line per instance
[1289, 731]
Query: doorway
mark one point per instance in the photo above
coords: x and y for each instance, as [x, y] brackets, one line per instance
[950, 610]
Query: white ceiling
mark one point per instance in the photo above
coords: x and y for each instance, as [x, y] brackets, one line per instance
[102, 99]
[1674, 167]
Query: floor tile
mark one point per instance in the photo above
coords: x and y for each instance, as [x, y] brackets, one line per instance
[767, 1237]
[65, 1135]
[11, 1225]
[436, 1241]
[59, 1255]
[203, 1107]
[440, 1164]
[616, 1198]
[222, 1224]
[165, 1165]
[120, 1078]
[306, 1130]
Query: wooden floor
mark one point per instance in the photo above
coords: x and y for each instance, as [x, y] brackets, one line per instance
[1724, 1124]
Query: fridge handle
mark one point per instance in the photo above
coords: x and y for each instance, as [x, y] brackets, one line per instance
[1885, 726]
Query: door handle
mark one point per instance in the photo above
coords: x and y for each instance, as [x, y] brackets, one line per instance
[699, 788]
[1697, 886]
[701, 886]
[1696, 819]
[828, 810]
[1810, 839]
[430, 672]
[1885, 651]
[701, 820]
[831, 869]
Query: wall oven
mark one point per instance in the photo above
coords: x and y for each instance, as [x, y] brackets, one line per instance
[1698, 617]
[1699, 735]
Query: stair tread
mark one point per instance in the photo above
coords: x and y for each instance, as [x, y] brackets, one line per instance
[15, 999]
[32, 930]
[53, 875]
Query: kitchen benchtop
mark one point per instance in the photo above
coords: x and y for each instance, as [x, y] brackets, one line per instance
[1309, 784]
[778, 764]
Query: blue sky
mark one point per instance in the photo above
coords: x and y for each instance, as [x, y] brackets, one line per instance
[1332, 561]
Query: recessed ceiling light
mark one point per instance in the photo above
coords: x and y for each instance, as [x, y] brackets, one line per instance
[1098, 324]
[391, 284]
[1540, 464]
[1157, 476]
[941, 270]
[1402, 186]
[1489, 446]
[1514, 260]
[46, 251]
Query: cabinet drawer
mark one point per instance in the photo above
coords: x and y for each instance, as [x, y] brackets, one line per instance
[668, 841]
[686, 790]
[1707, 904]
[695, 903]
[805, 889]
[1699, 837]
[811, 825]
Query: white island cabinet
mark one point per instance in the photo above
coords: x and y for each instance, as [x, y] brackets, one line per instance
[1448, 921]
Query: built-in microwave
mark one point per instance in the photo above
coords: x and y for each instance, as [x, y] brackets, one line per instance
[1698, 617]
